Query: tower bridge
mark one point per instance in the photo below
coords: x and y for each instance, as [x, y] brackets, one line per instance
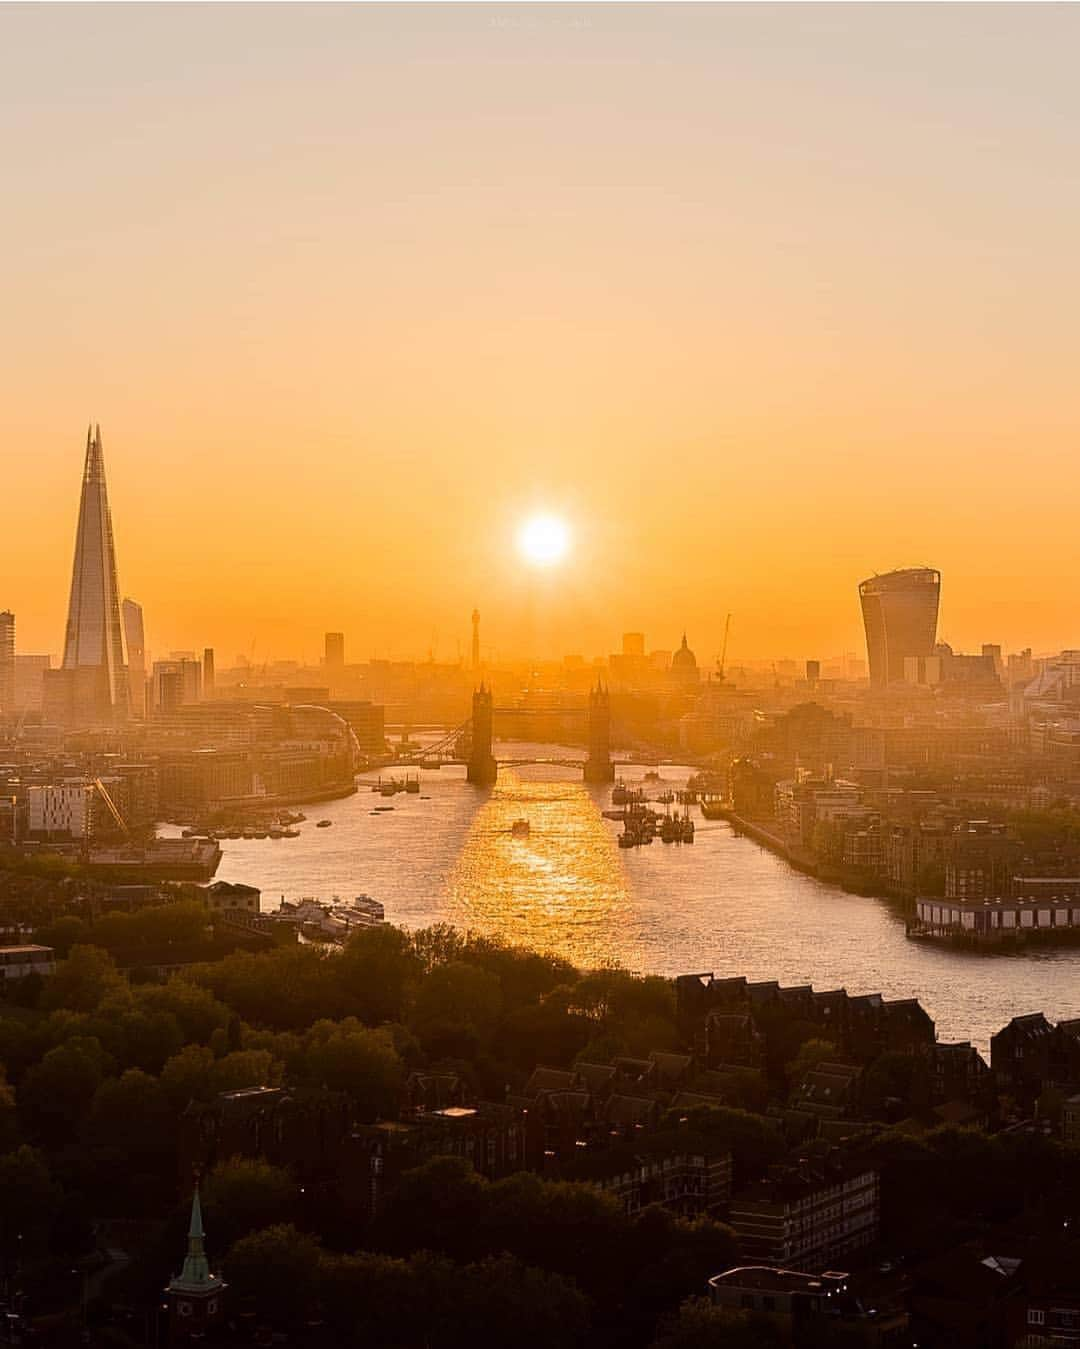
[483, 767]
[472, 742]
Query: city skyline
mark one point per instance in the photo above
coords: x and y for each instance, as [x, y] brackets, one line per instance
[537, 534]
[749, 303]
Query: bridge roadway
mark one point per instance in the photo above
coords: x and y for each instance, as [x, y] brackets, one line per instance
[417, 759]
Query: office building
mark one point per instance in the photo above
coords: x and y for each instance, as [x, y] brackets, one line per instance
[208, 672]
[175, 682]
[60, 810]
[136, 653]
[29, 676]
[476, 639]
[7, 663]
[900, 612]
[91, 687]
[335, 651]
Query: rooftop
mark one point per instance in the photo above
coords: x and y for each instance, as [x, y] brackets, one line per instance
[767, 1278]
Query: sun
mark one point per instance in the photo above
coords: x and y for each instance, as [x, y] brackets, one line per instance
[543, 540]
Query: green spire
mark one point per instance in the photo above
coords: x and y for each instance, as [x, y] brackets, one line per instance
[196, 1270]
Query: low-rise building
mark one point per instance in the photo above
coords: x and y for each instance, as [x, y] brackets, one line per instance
[16, 962]
[685, 1172]
[60, 810]
[823, 1210]
[809, 1307]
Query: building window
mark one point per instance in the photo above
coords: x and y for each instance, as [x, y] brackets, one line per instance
[1036, 1317]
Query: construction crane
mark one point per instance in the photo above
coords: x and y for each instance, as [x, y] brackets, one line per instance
[113, 811]
[723, 653]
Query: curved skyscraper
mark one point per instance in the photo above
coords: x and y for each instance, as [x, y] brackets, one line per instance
[900, 611]
[92, 685]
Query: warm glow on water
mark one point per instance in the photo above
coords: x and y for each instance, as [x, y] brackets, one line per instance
[723, 904]
[562, 888]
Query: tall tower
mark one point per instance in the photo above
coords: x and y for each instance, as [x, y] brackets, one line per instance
[7, 663]
[334, 651]
[194, 1294]
[135, 639]
[900, 612]
[94, 640]
[476, 639]
[598, 766]
[483, 770]
[208, 672]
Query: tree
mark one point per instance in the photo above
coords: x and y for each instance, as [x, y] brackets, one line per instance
[9, 1122]
[147, 1039]
[187, 1076]
[196, 1010]
[62, 934]
[348, 1057]
[284, 989]
[132, 1112]
[30, 1201]
[243, 1195]
[457, 1009]
[81, 982]
[56, 1093]
[437, 1206]
[700, 1325]
[754, 1144]
[811, 1053]
[276, 1272]
[376, 972]
[501, 1301]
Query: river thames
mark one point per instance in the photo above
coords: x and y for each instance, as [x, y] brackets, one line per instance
[723, 904]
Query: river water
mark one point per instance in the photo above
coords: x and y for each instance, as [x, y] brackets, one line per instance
[723, 904]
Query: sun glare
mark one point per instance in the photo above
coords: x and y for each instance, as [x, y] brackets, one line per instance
[543, 540]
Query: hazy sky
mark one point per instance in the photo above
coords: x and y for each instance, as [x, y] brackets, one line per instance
[763, 298]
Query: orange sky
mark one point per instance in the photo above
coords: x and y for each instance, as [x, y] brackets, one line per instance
[763, 298]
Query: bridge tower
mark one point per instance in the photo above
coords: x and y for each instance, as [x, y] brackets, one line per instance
[482, 769]
[598, 766]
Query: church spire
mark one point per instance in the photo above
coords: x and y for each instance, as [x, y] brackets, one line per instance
[196, 1270]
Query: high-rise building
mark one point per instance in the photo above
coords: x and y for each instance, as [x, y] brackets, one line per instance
[900, 611]
[7, 663]
[476, 639]
[135, 638]
[175, 682]
[208, 672]
[335, 650]
[29, 678]
[91, 687]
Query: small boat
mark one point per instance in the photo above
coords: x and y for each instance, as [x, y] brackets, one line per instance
[381, 810]
[324, 824]
[520, 829]
[290, 833]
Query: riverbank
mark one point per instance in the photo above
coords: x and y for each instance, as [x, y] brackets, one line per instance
[804, 860]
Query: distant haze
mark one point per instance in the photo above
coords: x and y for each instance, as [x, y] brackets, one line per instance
[760, 298]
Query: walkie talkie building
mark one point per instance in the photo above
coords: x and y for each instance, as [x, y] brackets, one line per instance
[900, 612]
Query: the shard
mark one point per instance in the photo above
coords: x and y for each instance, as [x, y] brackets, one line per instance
[97, 677]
